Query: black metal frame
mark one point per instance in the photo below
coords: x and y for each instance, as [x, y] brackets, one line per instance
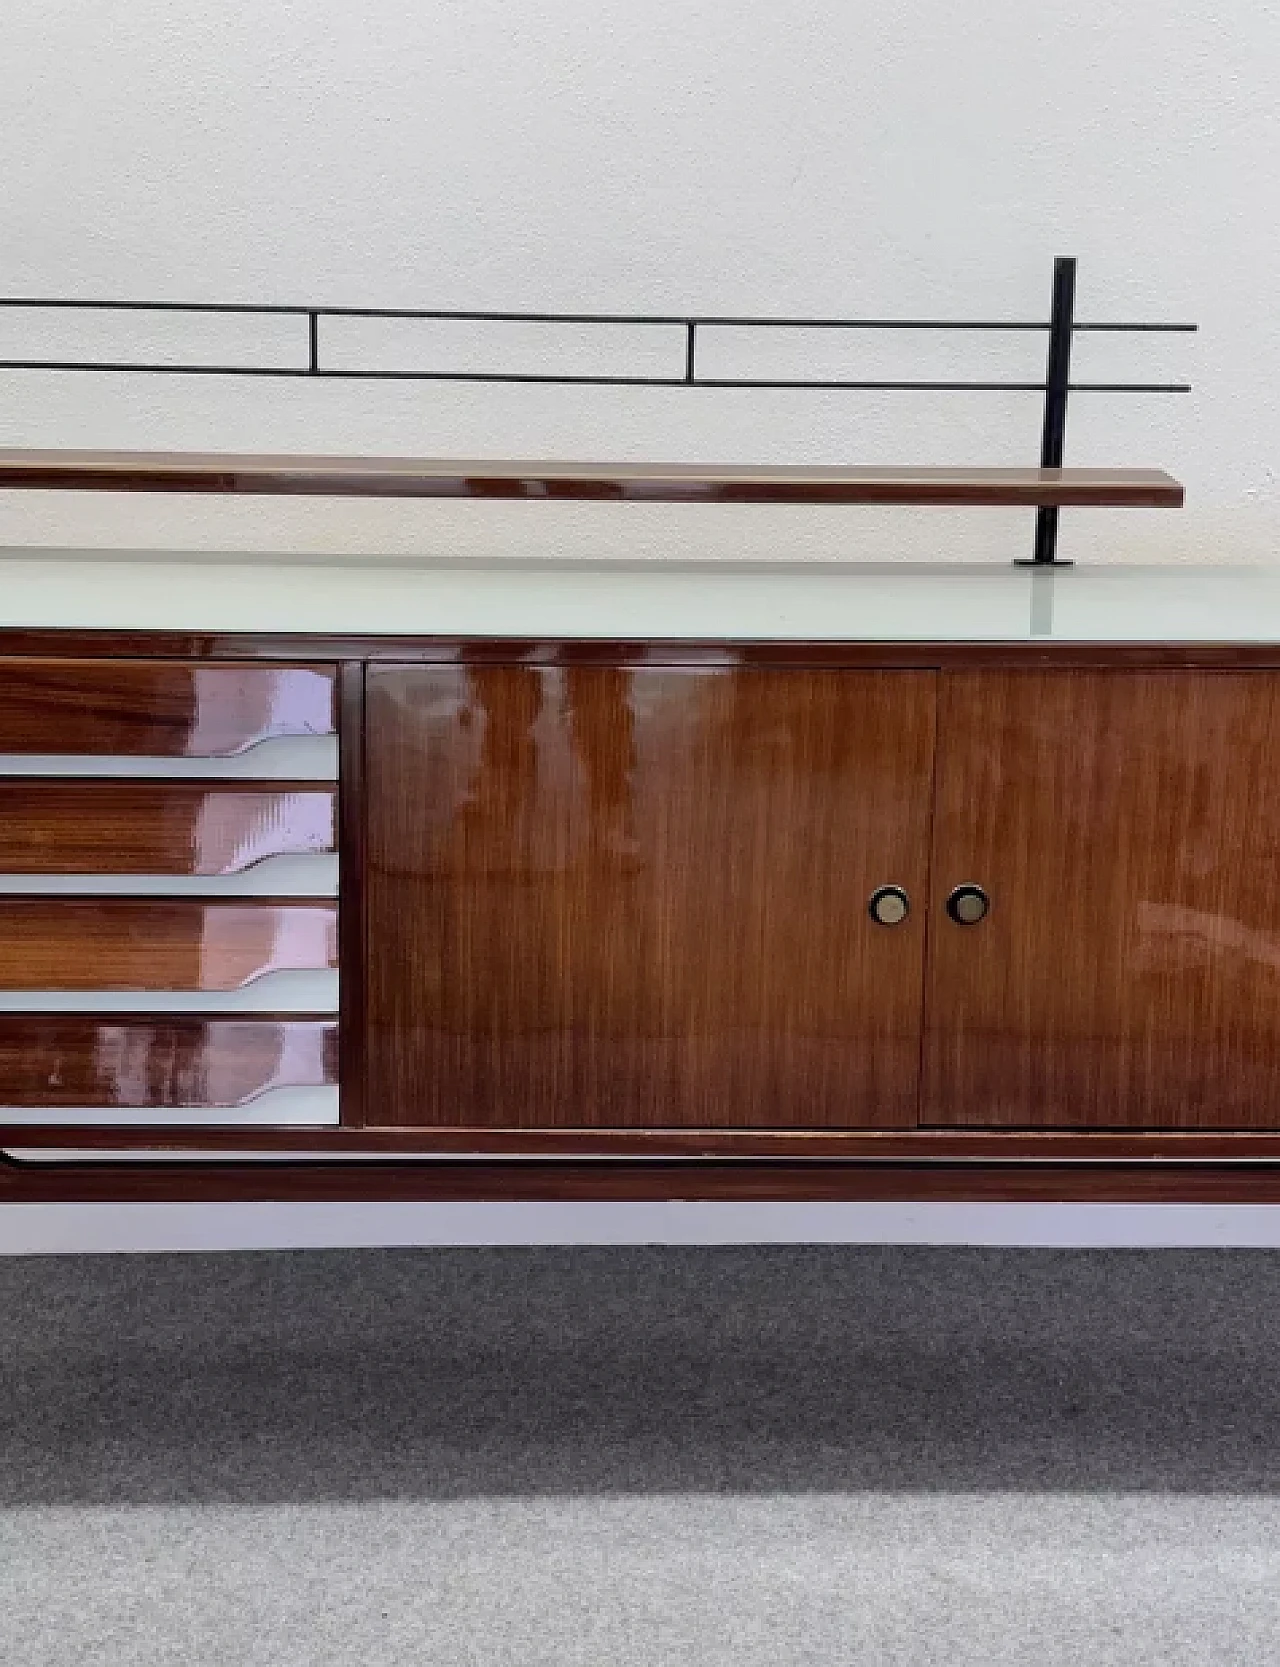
[1056, 387]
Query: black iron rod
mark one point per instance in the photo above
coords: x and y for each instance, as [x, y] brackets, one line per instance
[681, 320]
[141, 368]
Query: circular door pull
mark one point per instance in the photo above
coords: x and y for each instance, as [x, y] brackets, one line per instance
[967, 905]
[889, 905]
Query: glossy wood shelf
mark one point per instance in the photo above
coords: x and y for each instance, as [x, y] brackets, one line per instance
[407, 477]
[159, 1060]
[108, 826]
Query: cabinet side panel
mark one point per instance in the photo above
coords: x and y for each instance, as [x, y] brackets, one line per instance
[352, 892]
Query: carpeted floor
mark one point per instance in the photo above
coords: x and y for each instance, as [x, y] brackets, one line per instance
[609, 1458]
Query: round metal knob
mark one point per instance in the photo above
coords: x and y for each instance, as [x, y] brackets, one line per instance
[967, 905]
[889, 905]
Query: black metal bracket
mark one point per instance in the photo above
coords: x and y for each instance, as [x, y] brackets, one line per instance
[1057, 389]
[310, 362]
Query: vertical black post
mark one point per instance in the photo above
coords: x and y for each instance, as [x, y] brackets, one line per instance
[1057, 388]
[689, 350]
[313, 339]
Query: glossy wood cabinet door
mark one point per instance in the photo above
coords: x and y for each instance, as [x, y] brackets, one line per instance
[1126, 826]
[639, 897]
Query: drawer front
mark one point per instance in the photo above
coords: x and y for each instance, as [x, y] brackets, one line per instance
[81, 826]
[169, 857]
[125, 943]
[141, 708]
[71, 1060]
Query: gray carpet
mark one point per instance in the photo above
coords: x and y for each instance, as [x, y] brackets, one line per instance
[685, 1458]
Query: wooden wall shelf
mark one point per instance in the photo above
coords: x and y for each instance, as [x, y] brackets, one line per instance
[406, 477]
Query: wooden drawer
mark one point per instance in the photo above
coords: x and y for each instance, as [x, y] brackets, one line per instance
[85, 826]
[158, 708]
[56, 1060]
[147, 943]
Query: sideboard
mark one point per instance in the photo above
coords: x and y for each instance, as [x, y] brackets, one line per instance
[986, 909]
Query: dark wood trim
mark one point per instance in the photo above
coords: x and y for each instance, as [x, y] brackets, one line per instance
[539, 480]
[646, 1145]
[352, 891]
[477, 1182]
[288, 649]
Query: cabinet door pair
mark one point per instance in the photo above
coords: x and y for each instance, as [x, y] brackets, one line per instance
[642, 897]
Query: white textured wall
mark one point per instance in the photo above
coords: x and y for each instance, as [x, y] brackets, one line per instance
[837, 157]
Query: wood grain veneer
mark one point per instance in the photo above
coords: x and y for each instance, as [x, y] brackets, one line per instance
[108, 471]
[137, 708]
[158, 1060]
[86, 826]
[1126, 826]
[150, 943]
[623, 897]
[155, 1180]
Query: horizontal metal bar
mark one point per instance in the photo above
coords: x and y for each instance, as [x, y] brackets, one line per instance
[1182, 329]
[917, 324]
[957, 387]
[668, 319]
[548, 380]
[139, 368]
[152, 306]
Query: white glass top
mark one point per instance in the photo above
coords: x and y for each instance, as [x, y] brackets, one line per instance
[682, 599]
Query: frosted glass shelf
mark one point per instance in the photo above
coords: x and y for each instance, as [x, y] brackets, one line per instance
[678, 599]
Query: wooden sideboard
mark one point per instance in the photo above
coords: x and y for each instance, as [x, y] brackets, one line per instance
[644, 919]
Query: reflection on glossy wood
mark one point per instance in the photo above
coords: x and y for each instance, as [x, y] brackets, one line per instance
[1126, 827]
[150, 708]
[639, 897]
[59, 826]
[113, 943]
[152, 1060]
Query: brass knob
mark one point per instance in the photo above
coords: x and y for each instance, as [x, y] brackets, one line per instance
[967, 905]
[889, 905]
